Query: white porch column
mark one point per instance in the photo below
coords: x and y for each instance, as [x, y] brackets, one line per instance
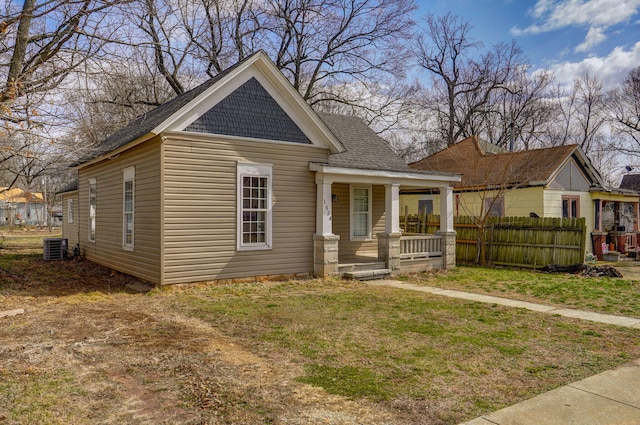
[447, 231]
[392, 208]
[325, 243]
[446, 209]
[324, 209]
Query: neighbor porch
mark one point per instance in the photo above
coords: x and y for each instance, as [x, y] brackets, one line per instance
[615, 229]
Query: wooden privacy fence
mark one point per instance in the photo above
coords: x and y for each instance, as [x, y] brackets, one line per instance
[511, 241]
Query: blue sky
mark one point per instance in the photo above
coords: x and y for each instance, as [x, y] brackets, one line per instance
[569, 37]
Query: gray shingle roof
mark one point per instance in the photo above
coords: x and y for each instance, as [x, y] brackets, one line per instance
[147, 122]
[630, 182]
[71, 187]
[249, 111]
[365, 149]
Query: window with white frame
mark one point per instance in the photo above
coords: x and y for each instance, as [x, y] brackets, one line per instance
[69, 210]
[128, 206]
[254, 206]
[360, 212]
[93, 203]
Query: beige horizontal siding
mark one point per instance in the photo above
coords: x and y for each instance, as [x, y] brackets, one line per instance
[200, 209]
[145, 260]
[70, 230]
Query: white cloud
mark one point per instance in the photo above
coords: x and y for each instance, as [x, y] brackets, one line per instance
[594, 37]
[611, 69]
[556, 14]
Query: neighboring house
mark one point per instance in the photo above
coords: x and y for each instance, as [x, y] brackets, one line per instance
[551, 182]
[21, 207]
[239, 177]
[630, 182]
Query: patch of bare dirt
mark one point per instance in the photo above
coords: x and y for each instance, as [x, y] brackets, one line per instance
[111, 356]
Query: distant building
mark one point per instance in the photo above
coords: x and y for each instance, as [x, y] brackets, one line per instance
[20, 207]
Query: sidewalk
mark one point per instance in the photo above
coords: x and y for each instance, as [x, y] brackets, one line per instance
[609, 398]
[541, 308]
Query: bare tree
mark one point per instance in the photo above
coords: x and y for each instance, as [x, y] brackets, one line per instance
[624, 113]
[467, 85]
[41, 44]
[579, 115]
[517, 118]
[330, 50]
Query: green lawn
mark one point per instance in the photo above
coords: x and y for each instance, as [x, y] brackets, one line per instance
[409, 349]
[260, 352]
[604, 295]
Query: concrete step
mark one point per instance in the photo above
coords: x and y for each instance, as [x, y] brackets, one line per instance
[368, 274]
[357, 267]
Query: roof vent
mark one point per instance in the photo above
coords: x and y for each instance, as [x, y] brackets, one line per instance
[55, 248]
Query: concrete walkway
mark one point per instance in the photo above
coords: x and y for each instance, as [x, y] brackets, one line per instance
[568, 312]
[609, 398]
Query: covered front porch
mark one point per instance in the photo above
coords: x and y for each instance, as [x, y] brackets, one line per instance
[358, 223]
[615, 229]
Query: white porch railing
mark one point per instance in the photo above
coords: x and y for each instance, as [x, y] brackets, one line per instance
[420, 246]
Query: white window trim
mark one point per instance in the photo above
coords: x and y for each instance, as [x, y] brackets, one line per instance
[128, 174]
[70, 211]
[351, 221]
[92, 181]
[254, 170]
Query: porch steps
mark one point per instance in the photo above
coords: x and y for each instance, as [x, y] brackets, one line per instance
[367, 274]
[357, 266]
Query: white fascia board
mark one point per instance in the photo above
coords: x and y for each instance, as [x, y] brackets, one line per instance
[189, 112]
[312, 120]
[354, 175]
[593, 174]
[261, 68]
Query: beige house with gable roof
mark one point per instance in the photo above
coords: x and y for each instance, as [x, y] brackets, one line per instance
[238, 178]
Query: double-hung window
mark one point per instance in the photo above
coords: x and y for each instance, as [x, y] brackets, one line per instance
[69, 210]
[254, 206]
[360, 212]
[570, 206]
[128, 205]
[93, 203]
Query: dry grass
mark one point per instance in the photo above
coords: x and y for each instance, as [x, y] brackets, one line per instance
[90, 351]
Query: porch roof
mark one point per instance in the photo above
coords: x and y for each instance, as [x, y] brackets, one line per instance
[615, 194]
[408, 178]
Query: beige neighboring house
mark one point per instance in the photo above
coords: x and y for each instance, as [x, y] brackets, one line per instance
[19, 207]
[240, 177]
[551, 182]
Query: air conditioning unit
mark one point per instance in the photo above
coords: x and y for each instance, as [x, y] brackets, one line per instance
[55, 248]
